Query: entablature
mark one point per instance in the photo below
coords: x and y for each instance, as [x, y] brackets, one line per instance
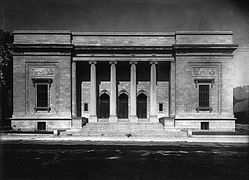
[125, 58]
[33, 49]
[204, 49]
[116, 43]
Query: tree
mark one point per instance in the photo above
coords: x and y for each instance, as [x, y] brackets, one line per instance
[6, 69]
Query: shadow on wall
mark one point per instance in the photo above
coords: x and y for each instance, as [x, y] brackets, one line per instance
[241, 104]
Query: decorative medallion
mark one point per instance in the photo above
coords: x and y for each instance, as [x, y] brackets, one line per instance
[42, 72]
[204, 71]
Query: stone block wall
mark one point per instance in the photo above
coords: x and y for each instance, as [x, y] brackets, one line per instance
[123, 39]
[24, 90]
[187, 90]
[32, 124]
[142, 87]
[35, 59]
[204, 37]
[42, 37]
[214, 124]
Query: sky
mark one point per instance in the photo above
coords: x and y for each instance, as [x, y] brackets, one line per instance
[132, 15]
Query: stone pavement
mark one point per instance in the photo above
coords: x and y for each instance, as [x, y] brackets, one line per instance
[121, 140]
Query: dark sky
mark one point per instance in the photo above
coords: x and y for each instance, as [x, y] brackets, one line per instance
[134, 15]
[128, 15]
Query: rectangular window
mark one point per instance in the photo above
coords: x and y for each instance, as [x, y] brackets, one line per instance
[41, 126]
[203, 96]
[85, 107]
[204, 125]
[42, 89]
[160, 107]
[42, 95]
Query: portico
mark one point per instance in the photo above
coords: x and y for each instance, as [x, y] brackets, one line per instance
[113, 91]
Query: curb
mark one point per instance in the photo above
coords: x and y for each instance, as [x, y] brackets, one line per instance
[53, 138]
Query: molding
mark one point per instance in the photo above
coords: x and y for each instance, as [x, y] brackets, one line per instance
[42, 32]
[43, 46]
[204, 49]
[204, 33]
[39, 118]
[123, 33]
[104, 91]
[204, 109]
[128, 58]
[123, 48]
[42, 80]
[210, 81]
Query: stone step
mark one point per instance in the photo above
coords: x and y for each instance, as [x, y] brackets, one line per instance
[127, 134]
[125, 129]
[121, 127]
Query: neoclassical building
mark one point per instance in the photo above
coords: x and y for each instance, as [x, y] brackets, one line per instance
[181, 79]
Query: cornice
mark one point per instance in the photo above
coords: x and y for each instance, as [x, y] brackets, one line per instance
[204, 48]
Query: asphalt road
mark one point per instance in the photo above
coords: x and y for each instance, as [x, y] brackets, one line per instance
[147, 161]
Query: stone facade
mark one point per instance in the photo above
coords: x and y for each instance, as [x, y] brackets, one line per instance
[122, 77]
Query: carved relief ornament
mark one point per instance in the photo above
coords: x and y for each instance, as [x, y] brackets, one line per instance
[42, 72]
[204, 71]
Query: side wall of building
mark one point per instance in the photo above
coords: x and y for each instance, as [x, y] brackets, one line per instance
[40, 63]
[204, 60]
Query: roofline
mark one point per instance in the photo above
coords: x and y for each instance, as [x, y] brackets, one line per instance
[204, 33]
[41, 32]
[123, 33]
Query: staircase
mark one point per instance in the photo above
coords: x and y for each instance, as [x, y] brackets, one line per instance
[106, 129]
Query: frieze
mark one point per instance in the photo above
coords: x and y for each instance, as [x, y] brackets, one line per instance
[42, 72]
[204, 71]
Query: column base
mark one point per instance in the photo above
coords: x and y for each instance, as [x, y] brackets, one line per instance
[154, 119]
[169, 124]
[93, 119]
[76, 122]
[133, 119]
[113, 118]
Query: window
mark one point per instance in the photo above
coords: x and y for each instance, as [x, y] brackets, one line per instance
[160, 107]
[204, 94]
[42, 89]
[42, 95]
[85, 107]
[204, 125]
[41, 126]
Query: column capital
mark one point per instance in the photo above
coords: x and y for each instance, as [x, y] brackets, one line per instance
[153, 62]
[133, 62]
[92, 62]
[112, 62]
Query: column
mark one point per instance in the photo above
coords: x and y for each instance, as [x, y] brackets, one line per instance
[93, 112]
[113, 93]
[74, 106]
[153, 104]
[172, 89]
[133, 93]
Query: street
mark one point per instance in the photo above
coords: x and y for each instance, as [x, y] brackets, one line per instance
[172, 161]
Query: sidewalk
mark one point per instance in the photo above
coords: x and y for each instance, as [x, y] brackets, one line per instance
[121, 140]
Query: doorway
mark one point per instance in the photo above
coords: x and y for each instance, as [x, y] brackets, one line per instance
[123, 106]
[104, 106]
[142, 106]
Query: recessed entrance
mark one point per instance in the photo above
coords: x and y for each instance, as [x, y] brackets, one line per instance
[104, 106]
[123, 106]
[142, 106]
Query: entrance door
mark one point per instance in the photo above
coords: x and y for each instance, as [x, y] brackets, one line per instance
[104, 106]
[123, 106]
[142, 106]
